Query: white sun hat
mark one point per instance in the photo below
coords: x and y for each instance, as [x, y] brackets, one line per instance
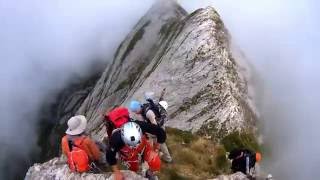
[76, 125]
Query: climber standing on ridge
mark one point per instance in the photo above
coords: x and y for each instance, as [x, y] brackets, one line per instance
[154, 113]
[81, 151]
[127, 139]
[244, 160]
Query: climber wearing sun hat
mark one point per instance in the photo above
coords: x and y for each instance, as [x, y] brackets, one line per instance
[80, 150]
[76, 125]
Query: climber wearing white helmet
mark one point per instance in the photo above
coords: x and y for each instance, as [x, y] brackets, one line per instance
[133, 148]
[154, 113]
[131, 134]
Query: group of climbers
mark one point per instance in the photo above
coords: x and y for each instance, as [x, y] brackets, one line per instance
[156, 114]
[134, 143]
[126, 137]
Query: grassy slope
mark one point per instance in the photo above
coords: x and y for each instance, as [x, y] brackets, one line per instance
[196, 157]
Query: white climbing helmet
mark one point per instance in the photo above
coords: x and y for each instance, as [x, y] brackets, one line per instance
[164, 104]
[131, 134]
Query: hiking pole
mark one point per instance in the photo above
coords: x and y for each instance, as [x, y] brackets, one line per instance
[162, 94]
[95, 168]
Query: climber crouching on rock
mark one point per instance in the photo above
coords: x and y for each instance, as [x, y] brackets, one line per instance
[83, 153]
[244, 160]
[154, 113]
[128, 140]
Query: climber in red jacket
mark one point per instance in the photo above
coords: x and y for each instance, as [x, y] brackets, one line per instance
[129, 141]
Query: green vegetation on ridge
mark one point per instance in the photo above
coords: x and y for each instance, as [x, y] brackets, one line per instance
[196, 157]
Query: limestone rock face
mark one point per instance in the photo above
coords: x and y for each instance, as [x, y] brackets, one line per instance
[190, 56]
[205, 89]
[57, 169]
[236, 176]
[142, 48]
[239, 176]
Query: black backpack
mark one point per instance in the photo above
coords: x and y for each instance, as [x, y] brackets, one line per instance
[158, 110]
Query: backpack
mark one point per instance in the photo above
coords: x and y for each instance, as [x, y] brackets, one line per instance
[251, 156]
[158, 110]
[78, 159]
[118, 116]
[132, 157]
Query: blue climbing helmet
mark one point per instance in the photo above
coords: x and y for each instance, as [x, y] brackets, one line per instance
[135, 106]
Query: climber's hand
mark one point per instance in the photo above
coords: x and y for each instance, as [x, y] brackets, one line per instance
[156, 147]
[117, 173]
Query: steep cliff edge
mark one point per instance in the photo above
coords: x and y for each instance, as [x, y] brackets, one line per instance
[190, 56]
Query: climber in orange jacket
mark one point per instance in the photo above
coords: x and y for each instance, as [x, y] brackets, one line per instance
[80, 150]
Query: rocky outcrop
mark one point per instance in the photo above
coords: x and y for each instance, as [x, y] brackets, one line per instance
[190, 56]
[236, 176]
[57, 169]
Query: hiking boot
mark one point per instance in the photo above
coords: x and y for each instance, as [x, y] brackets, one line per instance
[168, 162]
[150, 175]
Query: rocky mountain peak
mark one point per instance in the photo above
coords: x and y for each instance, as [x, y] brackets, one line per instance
[164, 8]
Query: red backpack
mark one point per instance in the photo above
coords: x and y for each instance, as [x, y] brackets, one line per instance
[78, 159]
[118, 116]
